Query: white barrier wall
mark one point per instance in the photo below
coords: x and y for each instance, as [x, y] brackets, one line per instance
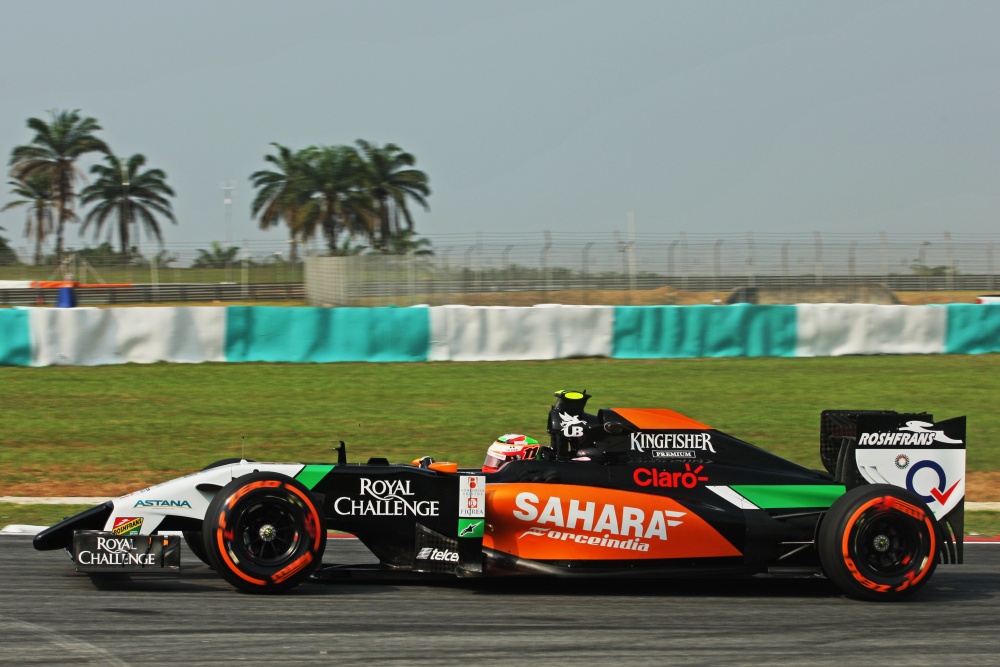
[96, 336]
[92, 336]
[834, 329]
[498, 333]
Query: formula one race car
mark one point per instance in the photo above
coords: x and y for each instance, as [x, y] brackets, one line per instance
[625, 492]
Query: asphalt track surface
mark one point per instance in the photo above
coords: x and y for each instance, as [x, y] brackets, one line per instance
[51, 615]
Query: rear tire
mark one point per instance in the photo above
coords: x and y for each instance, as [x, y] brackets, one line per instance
[264, 533]
[878, 542]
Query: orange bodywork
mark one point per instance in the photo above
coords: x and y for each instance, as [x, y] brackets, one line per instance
[659, 419]
[568, 522]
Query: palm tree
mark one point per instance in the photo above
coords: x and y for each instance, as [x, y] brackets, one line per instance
[216, 258]
[284, 193]
[391, 181]
[53, 152]
[338, 199]
[132, 195]
[406, 242]
[36, 195]
[7, 255]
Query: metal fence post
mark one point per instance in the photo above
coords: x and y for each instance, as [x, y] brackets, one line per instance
[819, 258]
[950, 271]
[989, 265]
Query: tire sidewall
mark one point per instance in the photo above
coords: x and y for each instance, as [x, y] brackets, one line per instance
[839, 534]
[227, 520]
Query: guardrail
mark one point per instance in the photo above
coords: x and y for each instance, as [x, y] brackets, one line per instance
[161, 293]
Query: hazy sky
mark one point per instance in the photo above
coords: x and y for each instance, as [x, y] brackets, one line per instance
[720, 117]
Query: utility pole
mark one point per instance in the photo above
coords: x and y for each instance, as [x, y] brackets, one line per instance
[228, 192]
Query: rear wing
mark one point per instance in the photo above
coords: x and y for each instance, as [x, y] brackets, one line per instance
[908, 450]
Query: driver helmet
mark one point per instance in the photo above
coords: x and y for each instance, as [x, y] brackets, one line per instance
[507, 448]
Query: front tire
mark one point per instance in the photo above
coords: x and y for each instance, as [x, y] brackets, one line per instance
[264, 533]
[878, 542]
[193, 538]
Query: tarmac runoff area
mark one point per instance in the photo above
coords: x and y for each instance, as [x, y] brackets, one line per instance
[52, 615]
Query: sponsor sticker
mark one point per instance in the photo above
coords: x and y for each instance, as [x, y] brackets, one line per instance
[674, 454]
[925, 458]
[472, 496]
[127, 525]
[122, 551]
[645, 441]
[557, 522]
[471, 527]
[96, 551]
[385, 497]
[572, 425]
[440, 555]
[934, 482]
[670, 479]
[177, 504]
[914, 433]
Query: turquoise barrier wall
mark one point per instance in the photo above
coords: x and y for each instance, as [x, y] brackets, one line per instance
[322, 335]
[679, 332]
[972, 329]
[15, 338]
[256, 333]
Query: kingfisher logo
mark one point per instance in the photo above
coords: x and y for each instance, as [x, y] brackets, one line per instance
[659, 441]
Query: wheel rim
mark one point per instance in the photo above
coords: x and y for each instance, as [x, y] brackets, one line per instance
[888, 544]
[268, 532]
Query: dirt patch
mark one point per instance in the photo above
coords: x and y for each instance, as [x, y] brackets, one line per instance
[654, 297]
[924, 298]
[662, 296]
[982, 487]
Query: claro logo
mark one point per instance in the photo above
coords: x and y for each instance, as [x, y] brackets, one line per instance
[669, 479]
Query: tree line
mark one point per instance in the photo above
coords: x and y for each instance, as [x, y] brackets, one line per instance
[341, 193]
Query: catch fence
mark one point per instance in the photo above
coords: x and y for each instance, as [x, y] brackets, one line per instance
[541, 263]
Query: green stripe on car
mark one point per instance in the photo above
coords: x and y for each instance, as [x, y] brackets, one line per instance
[312, 474]
[774, 496]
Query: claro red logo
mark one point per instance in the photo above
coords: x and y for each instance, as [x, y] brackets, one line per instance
[670, 479]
